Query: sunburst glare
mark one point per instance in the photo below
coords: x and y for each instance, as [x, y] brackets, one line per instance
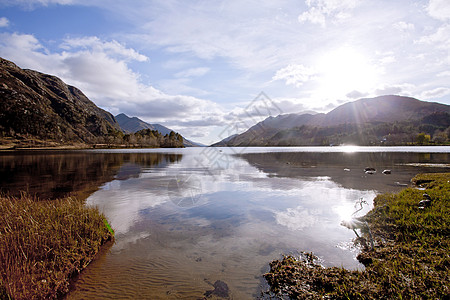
[349, 148]
[344, 70]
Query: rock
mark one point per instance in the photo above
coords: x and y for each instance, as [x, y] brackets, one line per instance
[220, 290]
[365, 258]
[386, 172]
[369, 170]
[424, 203]
[426, 196]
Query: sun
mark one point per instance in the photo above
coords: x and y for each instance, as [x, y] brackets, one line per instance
[344, 70]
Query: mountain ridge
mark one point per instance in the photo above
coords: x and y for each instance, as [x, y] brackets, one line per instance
[345, 122]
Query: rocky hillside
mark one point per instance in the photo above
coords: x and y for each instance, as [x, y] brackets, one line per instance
[40, 107]
[388, 120]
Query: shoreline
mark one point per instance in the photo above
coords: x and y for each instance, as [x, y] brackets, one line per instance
[410, 258]
[12, 149]
[75, 148]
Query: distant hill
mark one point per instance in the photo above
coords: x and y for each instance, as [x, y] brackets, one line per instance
[223, 143]
[131, 125]
[39, 110]
[41, 106]
[381, 109]
[134, 124]
[385, 120]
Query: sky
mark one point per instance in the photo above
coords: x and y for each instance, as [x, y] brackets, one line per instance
[209, 69]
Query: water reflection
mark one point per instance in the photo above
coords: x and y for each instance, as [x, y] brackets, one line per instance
[347, 168]
[182, 227]
[184, 222]
[53, 174]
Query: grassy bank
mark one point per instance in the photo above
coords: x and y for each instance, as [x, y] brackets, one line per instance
[410, 260]
[44, 243]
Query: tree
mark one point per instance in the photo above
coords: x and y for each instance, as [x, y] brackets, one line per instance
[440, 137]
[423, 139]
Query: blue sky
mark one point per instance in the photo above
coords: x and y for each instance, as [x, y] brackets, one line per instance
[197, 66]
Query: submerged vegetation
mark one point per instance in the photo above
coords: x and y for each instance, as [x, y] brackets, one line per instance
[43, 244]
[411, 258]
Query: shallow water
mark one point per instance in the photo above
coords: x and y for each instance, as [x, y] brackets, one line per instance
[186, 218]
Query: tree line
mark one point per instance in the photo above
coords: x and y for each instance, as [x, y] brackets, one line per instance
[145, 138]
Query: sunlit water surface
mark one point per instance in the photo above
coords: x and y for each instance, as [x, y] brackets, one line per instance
[186, 218]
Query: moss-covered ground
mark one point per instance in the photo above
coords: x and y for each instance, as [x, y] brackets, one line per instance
[410, 260]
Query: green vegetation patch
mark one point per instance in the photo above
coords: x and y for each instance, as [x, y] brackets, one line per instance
[411, 258]
[43, 244]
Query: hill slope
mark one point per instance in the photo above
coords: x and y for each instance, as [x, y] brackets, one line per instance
[39, 106]
[384, 119]
[388, 108]
[134, 124]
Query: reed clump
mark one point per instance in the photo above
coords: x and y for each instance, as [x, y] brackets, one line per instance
[410, 260]
[43, 244]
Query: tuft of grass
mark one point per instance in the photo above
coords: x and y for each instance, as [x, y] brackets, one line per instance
[411, 259]
[43, 244]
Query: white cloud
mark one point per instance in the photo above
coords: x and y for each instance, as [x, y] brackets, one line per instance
[4, 22]
[435, 93]
[31, 4]
[296, 218]
[102, 77]
[314, 16]
[439, 9]
[26, 51]
[405, 89]
[181, 85]
[439, 41]
[100, 69]
[94, 44]
[174, 64]
[387, 60]
[320, 10]
[440, 37]
[444, 74]
[389, 90]
[356, 94]
[295, 74]
[258, 41]
[193, 72]
[403, 26]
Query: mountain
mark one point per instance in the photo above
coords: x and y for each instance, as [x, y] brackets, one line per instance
[134, 124]
[40, 110]
[223, 143]
[381, 109]
[381, 120]
[42, 107]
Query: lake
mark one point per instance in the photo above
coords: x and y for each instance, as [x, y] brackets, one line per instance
[187, 218]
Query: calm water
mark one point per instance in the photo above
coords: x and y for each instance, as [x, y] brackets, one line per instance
[186, 218]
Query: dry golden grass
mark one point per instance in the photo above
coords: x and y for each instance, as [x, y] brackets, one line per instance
[43, 244]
